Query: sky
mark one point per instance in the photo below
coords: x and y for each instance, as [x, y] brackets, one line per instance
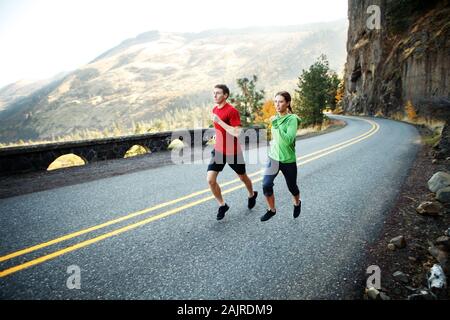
[40, 38]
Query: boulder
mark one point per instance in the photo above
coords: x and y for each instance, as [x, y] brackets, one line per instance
[401, 277]
[437, 281]
[384, 296]
[443, 195]
[398, 242]
[391, 247]
[422, 295]
[438, 181]
[440, 255]
[430, 208]
[372, 293]
[444, 242]
[447, 232]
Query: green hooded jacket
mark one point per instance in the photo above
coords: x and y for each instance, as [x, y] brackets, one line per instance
[284, 133]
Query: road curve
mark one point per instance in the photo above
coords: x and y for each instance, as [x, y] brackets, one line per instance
[153, 234]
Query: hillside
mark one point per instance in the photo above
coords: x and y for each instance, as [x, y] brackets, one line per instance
[148, 76]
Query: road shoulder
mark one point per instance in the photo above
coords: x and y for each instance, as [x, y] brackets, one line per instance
[419, 231]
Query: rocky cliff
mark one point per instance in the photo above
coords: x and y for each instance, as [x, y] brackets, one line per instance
[406, 58]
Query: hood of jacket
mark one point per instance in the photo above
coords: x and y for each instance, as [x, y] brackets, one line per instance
[285, 119]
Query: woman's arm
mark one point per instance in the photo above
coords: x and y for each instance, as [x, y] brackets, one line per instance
[289, 136]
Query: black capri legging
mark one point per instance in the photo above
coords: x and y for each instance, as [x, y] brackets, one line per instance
[289, 171]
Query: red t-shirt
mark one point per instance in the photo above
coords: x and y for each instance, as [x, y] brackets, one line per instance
[225, 142]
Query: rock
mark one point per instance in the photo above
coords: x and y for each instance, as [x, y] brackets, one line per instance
[430, 208]
[398, 242]
[401, 277]
[443, 195]
[411, 288]
[436, 279]
[447, 232]
[176, 144]
[384, 296]
[372, 293]
[440, 255]
[443, 241]
[391, 247]
[422, 295]
[438, 181]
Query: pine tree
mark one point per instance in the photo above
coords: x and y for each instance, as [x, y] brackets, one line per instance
[316, 90]
[250, 101]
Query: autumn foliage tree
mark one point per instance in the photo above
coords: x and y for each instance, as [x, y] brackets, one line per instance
[340, 93]
[267, 111]
[410, 111]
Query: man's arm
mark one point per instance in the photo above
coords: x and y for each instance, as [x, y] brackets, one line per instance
[234, 131]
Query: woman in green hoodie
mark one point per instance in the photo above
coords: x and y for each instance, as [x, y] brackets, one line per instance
[282, 155]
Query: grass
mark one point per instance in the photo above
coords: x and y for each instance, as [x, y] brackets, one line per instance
[432, 139]
[325, 126]
[195, 117]
[66, 161]
[434, 126]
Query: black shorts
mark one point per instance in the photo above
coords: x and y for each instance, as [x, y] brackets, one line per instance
[218, 161]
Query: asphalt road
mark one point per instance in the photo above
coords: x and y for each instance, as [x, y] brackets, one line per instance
[348, 180]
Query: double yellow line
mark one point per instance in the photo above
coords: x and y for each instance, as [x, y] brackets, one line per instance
[310, 157]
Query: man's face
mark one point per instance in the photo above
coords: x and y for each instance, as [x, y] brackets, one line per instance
[219, 97]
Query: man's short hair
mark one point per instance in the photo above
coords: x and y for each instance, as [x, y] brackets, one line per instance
[224, 88]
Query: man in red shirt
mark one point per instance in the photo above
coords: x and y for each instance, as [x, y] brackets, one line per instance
[227, 149]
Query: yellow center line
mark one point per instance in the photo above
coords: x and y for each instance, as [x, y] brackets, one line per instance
[374, 129]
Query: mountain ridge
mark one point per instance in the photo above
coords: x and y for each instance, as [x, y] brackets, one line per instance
[143, 77]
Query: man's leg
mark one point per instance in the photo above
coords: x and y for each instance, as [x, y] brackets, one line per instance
[248, 184]
[214, 186]
[237, 163]
[252, 195]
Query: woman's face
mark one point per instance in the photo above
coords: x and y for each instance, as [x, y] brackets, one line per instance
[280, 104]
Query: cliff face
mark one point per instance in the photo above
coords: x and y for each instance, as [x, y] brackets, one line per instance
[387, 67]
[407, 59]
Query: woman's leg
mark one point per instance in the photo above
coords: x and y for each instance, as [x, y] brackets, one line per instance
[268, 191]
[270, 174]
[270, 198]
[289, 171]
